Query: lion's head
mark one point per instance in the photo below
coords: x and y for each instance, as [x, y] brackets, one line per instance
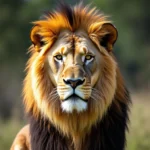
[71, 75]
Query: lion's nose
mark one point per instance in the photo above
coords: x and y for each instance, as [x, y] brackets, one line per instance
[74, 82]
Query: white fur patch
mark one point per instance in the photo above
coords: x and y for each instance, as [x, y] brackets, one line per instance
[70, 105]
[18, 147]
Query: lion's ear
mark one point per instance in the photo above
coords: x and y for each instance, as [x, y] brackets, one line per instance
[36, 38]
[110, 36]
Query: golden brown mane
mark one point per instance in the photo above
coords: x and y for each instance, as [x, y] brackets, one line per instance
[111, 86]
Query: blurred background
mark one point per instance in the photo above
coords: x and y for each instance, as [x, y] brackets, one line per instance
[132, 49]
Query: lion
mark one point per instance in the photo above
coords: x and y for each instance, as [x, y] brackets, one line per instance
[74, 93]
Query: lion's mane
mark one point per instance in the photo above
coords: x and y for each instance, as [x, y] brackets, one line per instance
[51, 128]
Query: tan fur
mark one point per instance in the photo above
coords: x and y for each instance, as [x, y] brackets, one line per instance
[22, 140]
[40, 81]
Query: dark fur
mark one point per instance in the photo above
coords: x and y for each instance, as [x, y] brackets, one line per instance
[43, 138]
[66, 9]
[108, 134]
[62, 8]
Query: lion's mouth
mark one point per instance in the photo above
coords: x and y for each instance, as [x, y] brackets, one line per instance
[74, 103]
[74, 97]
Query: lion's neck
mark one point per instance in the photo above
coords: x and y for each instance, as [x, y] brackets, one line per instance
[109, 133]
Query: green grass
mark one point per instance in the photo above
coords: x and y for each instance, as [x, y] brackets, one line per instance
[138, 137]
[8, 130]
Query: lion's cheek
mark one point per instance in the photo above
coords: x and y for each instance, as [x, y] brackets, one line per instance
[95, 77]
[84, 93]
[64, 91]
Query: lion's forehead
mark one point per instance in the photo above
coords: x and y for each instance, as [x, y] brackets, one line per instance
[73, 42]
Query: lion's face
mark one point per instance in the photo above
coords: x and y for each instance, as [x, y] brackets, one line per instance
[74, 67]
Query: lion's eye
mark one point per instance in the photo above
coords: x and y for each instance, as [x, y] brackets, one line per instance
[89, 57]
[58, 57]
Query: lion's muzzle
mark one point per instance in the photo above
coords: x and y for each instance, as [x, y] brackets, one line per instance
[73, 95]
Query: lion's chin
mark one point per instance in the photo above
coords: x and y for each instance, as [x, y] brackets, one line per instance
[74, 104]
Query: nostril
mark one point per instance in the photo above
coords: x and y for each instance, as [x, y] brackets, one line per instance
[67, 81]
[74, 82]
[80, 82]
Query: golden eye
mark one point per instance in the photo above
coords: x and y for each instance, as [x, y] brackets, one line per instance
[59, 57]
[89, 57]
